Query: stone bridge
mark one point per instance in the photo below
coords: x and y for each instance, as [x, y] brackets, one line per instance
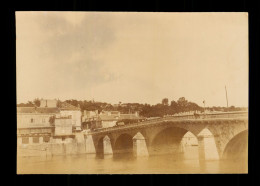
[218, 136]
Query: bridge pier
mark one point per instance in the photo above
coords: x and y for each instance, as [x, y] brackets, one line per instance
[207, 146]
[139, 146]
[107, 146]
[219, 127]
[90, 147]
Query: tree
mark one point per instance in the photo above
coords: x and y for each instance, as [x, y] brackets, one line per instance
[174, 107]
[30, 104]
[182, 104]
[52, 120]
[192, 106]
[165, 101]
[58, 103]
[37, 102]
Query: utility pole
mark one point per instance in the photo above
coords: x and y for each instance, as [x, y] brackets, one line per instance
[204, 106]
[204, 114]
[226, 96]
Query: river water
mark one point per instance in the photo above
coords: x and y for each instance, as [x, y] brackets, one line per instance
[181, 163]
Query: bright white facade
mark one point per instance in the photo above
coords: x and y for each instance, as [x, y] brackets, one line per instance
[63, 126]
[67, 109]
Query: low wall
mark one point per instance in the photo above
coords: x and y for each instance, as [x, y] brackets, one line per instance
[55, 147]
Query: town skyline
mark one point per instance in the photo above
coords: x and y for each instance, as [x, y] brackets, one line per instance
[169, 103]
[133, 58]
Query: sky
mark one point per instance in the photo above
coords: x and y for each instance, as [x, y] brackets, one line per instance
[132, 57]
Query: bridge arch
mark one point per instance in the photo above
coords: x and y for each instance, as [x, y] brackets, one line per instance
[237, 147]
[153, 132]
[123, 145]
[167, 140]
[207, 145]
[100, 147]
[225, 131]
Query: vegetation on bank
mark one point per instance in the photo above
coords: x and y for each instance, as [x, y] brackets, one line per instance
[146, 110]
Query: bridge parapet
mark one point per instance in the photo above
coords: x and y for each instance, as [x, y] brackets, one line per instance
[227, 116]
[213, 115]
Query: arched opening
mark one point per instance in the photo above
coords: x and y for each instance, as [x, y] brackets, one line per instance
[123, 146]
[237, 147]
[189, 139]
[168, 141]
[189, 144]
[235, 154]
[100, 148]
[207, 145]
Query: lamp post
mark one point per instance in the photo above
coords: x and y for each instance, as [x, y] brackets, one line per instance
[204, 108]
[226, 97]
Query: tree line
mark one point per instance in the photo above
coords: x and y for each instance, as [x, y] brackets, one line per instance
[146, 110]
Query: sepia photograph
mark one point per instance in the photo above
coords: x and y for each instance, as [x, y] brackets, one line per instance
[132, 92]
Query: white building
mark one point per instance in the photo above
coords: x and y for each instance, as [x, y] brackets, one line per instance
[89, 115]
[67, 109]
[34, 124]
[51, 103]
[63, 126]
[110, 118]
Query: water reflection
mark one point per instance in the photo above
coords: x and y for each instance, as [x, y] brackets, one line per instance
[179, 163]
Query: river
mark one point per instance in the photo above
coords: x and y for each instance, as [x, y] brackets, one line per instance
[182, 163]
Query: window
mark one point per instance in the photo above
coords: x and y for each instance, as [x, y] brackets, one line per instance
[32, 120]
[46, 139]
[35, 139]
[25, 140]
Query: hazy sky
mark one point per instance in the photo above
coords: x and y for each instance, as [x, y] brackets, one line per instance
[133, 57]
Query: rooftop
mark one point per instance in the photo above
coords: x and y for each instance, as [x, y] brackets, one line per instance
[67, 106]
[37, 110]
[119, 117]
[48, 103]
[108, 118]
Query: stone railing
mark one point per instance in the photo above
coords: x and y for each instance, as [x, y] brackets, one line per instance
[211, 115]
[33, 125]
[225, 115]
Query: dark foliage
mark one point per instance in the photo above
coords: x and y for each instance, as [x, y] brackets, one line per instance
[146, 110]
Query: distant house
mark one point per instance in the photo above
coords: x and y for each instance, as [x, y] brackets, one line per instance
[134, 116]
[34, 124]
[88, 115]
[110, 118]
[67, 109]
[50, 103]
[63, 127]
[42, 124]
[89, 119]
[124, 105]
